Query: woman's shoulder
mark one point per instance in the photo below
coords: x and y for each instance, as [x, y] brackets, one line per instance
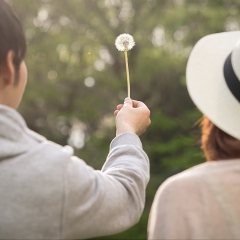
[206, 168]
[194, 179]
[189, 180]
[187, 177]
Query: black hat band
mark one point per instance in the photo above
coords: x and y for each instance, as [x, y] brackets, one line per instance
[231, 79]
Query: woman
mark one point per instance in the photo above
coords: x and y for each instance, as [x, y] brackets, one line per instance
[203, 202]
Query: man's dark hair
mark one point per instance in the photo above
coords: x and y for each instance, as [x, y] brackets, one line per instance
[11, 37]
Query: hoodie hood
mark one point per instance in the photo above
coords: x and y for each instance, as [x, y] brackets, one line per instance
[15, 137]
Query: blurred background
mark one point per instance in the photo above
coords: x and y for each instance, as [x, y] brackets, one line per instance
[77, 76]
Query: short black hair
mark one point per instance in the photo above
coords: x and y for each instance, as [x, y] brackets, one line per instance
[11, 36]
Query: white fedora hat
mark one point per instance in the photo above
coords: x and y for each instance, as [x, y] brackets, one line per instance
[213, 79]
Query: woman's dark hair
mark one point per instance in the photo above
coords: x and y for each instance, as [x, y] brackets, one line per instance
[11, 37]
[216, 144]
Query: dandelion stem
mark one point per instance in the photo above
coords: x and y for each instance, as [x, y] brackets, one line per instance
[127, 70]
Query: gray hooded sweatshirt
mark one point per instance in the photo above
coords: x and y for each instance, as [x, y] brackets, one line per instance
[47, 193]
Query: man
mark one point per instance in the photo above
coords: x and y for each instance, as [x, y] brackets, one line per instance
[46, 192]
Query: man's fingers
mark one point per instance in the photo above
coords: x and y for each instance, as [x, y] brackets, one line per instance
[116, 112]
[128, 102]
[132, 103]
[137, 104]
[141, 104]
[119, 107]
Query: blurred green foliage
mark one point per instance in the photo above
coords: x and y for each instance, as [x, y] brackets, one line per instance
[77, 76]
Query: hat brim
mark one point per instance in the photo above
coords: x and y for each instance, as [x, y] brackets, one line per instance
[206, 83]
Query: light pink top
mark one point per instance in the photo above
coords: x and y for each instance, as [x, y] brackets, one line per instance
[202, 202]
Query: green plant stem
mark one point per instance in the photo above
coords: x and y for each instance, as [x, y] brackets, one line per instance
[127, 70]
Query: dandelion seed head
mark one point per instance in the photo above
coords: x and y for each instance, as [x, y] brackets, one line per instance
[124, 42]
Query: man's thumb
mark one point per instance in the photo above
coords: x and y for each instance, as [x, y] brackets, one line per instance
[128, 102]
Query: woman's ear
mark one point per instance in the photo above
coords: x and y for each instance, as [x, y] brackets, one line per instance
[8, 70]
